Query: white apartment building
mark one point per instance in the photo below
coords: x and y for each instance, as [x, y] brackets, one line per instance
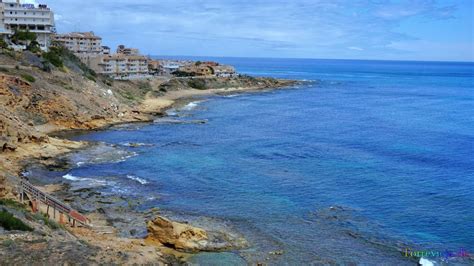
[80, 42]
[38, 19]
[121, 66]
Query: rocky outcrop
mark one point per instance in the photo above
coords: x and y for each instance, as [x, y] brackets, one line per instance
[185, 237]
[206, 83]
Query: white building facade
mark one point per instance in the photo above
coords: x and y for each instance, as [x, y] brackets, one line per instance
[28, 17]
[80, 42]
[121, 66]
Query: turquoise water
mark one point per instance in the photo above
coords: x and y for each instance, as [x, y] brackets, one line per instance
[366, 159]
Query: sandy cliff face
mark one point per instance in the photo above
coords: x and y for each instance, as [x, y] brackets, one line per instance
[61, 99]
[15, 99]
[35, 100]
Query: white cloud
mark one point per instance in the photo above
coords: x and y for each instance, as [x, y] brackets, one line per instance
[297, 28]
[355, 48]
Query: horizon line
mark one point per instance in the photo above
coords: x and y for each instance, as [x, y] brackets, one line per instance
[307, 58]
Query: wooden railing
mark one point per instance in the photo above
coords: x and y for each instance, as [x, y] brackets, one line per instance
[35, 195]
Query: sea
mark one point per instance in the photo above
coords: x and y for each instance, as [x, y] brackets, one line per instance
[363, 162]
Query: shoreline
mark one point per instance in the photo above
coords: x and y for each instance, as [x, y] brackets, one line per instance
[45, 154]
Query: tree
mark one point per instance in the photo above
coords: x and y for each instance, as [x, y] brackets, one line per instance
[3, 44]
[23, 37]
[34, 47]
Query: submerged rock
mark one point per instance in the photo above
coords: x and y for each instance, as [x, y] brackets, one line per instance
[188, 238]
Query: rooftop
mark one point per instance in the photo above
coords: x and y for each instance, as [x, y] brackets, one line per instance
[84, 35]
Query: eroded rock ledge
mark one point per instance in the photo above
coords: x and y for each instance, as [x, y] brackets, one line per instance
[187, 238]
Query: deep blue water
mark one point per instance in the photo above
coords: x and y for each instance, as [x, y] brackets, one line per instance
[372, 158]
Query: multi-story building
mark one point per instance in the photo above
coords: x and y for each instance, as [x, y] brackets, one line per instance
[85, 45]
[121, 49]
[28, 17]
[121, 66]
[80, 42]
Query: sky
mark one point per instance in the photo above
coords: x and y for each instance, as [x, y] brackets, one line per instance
[428, 30]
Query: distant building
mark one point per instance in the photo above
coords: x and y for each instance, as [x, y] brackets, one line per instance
[196, 70]
[207, 69]
[80, 42]
[105, 50]
[166, 67]
[121, 49]
[27, 17]
[224, 71]
[121, 66]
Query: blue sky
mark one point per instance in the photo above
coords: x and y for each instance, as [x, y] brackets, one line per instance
[348, 29]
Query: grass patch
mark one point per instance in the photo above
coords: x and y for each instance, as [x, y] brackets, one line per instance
[8, 243]
[54, 56]
[198, 84]
[28, 78]
[68, 87]
[11, 203]
[4, 70]
[10, 222]
[48, 222]
[128, 95]
[89, 76]
[144, 86]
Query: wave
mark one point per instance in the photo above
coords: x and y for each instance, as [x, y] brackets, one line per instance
[425, 262]
[72, 178]
[135, 144]
[138, 179]
[89, 181]
[101, 153]
[190, 106]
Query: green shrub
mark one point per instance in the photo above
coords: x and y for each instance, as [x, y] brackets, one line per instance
[128, 95]
[21, 36]
[54, 56]
[144, 86]
[48, 222]
[11, 203]
[34, 47]
[28, 78]
[8, 243]
[89, 76]
[4, 70]
[10, 222]
[3, 44]
[198, 84]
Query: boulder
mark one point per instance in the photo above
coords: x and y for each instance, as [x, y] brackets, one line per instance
[184, 237]
[176, 235]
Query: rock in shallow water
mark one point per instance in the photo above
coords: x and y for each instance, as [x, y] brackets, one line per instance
[188, 238]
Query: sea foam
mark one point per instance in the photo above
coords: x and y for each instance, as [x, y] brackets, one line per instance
[138, 179]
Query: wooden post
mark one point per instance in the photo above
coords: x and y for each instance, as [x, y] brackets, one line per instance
[54, 213]
[34, 206]
[47, 211]
[73, 223]
[61, 218]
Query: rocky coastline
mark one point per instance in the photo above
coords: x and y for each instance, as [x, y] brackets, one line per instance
[38, 112]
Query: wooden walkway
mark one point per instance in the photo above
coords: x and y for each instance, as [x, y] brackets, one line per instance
[36, 196]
